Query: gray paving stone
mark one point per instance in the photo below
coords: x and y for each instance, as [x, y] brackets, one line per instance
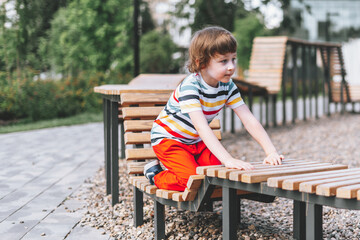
[40, 170]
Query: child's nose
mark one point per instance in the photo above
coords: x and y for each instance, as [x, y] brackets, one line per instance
[231, 66]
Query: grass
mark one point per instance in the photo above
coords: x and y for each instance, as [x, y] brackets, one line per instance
[25, 125]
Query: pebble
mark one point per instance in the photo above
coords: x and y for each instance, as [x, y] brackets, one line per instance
[332, 139]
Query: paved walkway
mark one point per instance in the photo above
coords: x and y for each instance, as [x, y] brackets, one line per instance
[41, 174]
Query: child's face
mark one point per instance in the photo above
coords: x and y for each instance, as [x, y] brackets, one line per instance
[219, 69]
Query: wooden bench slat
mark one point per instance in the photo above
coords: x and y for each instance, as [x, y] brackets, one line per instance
[329, 189]
[195, 181]
[203, 169]
[138, 98]
[310, 187]
[145, 138]
[178, 197]
[261, 177]
[140, 154]
[133, 178]
[292, 182]
[151, 189]
[189, 194]
[358, 195]
[141, 112]
[163, 193]
[347, 191]
[146, 125]
[266, 169]
[226, 171]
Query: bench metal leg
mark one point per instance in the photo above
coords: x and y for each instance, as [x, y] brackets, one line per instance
[138, 207]
[114, 152]
[314, 230]
[238, 208]
[299, 220]
[229, 224]
[159, 220]
[107, 144]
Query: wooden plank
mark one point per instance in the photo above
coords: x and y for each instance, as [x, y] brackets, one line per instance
[293, 182]
[310, 186]
[133, 178]
[140, 154]
[139, 182]
[167, 194]
[329, 189]
[146, 125]
[151, 189]
[195, 181]
[203, 169]
[178, 197]
[189, 194]
[145, 138]
[224, 173]
[358, 195]
[135, 167]
[268, 169]
[347, 191]
[141, 112]
[261, 177]
[138, 98]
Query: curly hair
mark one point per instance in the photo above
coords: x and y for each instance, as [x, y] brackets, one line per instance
[206, 43]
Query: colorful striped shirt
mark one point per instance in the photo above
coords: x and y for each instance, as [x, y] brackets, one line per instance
[193, 94]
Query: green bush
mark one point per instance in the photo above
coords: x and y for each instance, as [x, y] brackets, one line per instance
[46, 99]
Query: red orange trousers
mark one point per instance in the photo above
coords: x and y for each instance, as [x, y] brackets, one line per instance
[181, 161]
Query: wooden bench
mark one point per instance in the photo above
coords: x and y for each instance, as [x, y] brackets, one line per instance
[311, 184]
[139, 110]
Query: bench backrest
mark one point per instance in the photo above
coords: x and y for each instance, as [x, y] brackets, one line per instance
[139, 111]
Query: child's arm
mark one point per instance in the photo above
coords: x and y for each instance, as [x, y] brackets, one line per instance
[256, 130]
[206, 134]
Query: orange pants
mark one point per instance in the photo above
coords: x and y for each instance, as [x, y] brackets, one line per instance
[181, 161]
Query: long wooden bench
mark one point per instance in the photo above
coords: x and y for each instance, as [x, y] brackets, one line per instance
[311, 184]
[139, 110]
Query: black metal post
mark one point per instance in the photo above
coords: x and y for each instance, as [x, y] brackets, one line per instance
[299, 223]
[274, 101]
[114, 152]
[310, 78]
[303, 78]
[294, 82]
[315, 73]
[122, 138]
[138, 207]
[266, 110]
[232, 121]
[229, 213]
[159, 220]
[327, 80]
[136, 39]
[107, 144]
[283, 86]
[314, 229]
[250, 98]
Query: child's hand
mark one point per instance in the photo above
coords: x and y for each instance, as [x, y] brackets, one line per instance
[273, 158]
[238, 164]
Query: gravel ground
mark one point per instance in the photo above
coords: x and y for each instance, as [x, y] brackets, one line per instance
[334, 139]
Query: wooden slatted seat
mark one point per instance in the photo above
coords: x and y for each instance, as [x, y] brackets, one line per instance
[311, 184]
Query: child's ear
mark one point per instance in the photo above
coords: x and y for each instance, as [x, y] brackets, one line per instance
[197, 62]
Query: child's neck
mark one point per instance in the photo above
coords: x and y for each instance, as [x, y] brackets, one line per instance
[210, 81]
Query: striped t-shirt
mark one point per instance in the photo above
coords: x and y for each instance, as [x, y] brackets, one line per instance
[193, 94]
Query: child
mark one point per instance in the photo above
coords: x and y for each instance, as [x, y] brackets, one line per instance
[181, 136]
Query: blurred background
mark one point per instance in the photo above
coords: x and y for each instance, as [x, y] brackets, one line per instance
[53, 52]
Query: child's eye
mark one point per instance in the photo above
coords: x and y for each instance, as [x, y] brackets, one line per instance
[224, 61]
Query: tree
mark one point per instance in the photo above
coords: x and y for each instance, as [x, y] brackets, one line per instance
[157, 50]
[91, 35]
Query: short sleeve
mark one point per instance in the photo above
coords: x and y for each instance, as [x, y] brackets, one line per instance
[189, 99]
[234, 99]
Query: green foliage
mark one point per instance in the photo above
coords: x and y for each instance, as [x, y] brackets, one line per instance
[156, 53]
[246, 29]
[46, 99]
[91, 35]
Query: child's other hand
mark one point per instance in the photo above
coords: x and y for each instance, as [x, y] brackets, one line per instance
[273, 159]
[238, 164]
